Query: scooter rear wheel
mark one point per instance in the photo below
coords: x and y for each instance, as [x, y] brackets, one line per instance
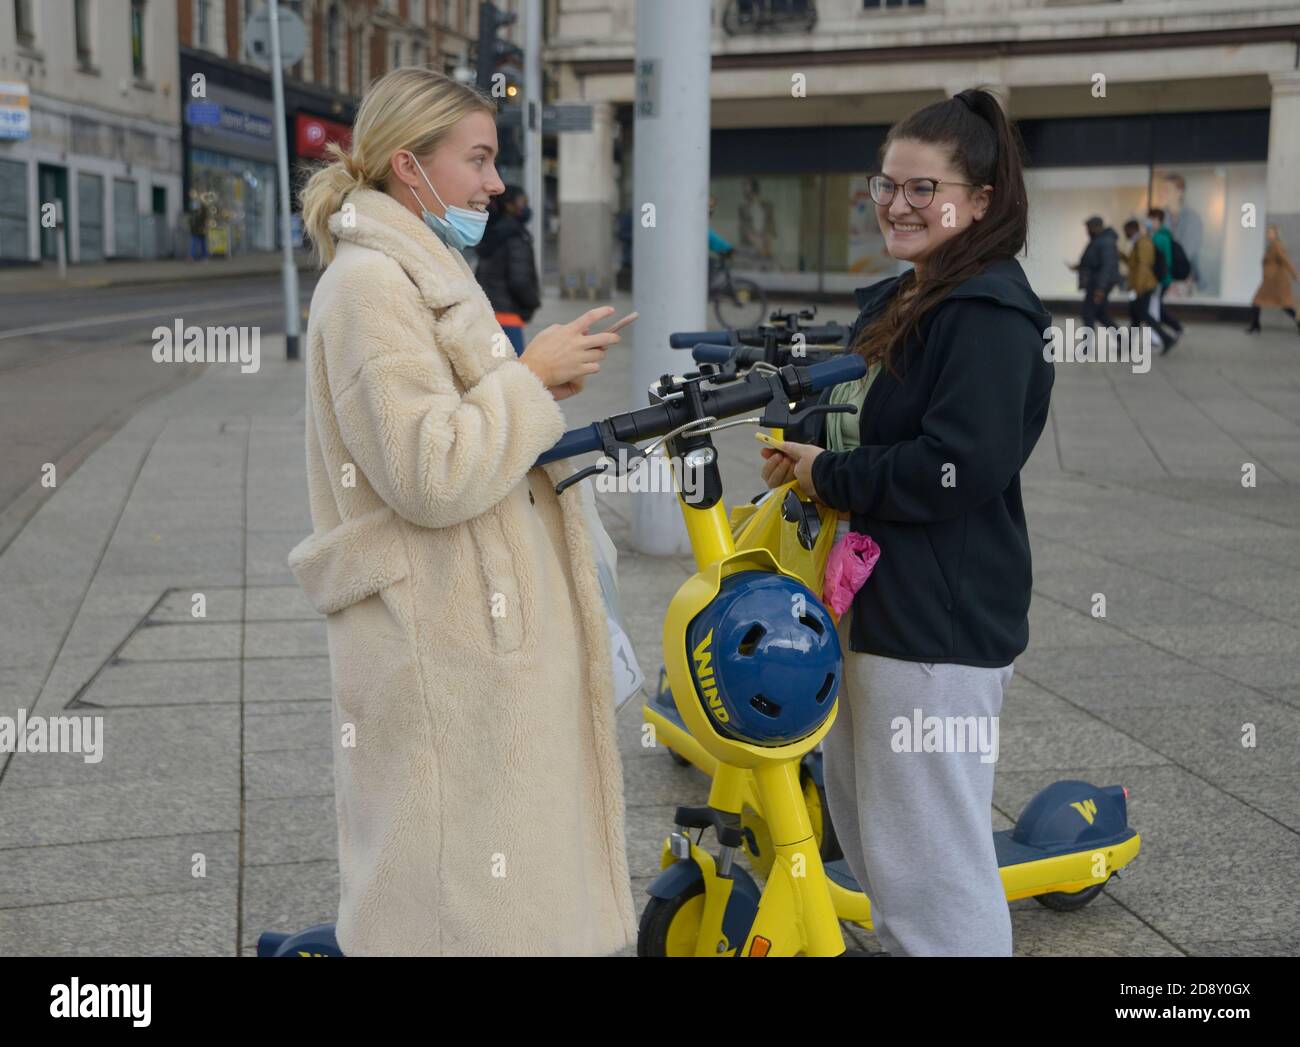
[671, 926]
[1065, 901]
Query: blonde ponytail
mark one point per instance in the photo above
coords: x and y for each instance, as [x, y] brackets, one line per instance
[412, 108]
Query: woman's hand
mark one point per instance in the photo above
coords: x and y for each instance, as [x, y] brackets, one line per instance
[573, 388]
[778, 469]
[565, 354]
[791, 459]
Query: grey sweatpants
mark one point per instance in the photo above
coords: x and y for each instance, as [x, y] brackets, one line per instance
[915, 825]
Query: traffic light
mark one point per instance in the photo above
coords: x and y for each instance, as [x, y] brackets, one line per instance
[499, 73]
[500, 63]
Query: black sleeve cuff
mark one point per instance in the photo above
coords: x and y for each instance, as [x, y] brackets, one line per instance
[825, 478]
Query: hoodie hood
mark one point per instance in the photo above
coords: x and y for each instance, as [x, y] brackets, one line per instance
[1003, 282]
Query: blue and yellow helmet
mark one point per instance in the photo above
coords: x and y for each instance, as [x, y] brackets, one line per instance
[765, 659]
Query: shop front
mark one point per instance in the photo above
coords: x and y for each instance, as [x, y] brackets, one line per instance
[230, 161]
[794, 202]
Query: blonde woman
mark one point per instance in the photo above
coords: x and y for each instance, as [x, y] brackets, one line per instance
[477, 777]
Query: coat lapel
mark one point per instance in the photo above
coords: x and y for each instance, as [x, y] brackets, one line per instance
[467, 325]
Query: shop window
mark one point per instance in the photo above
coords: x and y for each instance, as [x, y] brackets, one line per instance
[240, 195]
[1201, 202]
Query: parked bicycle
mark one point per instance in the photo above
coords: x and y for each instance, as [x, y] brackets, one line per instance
[736, 301]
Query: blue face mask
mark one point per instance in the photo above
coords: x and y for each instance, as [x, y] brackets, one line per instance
[461, 228]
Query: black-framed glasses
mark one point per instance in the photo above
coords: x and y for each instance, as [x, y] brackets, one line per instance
[919, 192]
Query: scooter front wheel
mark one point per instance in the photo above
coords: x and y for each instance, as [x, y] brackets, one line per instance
[671, 926]
[1063, 901]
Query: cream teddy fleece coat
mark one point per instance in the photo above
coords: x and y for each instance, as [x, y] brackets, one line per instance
[478, 786]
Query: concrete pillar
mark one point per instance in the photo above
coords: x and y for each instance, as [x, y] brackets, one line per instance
[586, 200]
[1283, 204]
[669, 218]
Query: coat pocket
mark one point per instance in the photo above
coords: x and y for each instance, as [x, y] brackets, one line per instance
[351, 562]
[501, 589]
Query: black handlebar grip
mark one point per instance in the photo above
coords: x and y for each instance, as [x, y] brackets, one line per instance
[832, 372]
[712, 354]
[690, 339]
[574, 442]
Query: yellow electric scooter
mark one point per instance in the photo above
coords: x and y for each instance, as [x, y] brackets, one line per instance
[798, 531]
[1069, 840]
[1065, 845]
[794, 913]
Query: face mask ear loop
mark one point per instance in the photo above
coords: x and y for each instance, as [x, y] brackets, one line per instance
[428, 183]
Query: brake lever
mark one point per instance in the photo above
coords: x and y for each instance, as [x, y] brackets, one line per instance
[780, 416]
[610, 447]
[578, 477]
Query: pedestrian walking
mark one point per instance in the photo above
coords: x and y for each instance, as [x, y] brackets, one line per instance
[1140, 261]
[1098, 269]
[1275, 287]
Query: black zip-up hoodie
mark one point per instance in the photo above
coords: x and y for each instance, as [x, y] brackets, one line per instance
[936, 480]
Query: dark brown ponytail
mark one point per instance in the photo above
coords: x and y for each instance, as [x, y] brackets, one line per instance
[986, 149]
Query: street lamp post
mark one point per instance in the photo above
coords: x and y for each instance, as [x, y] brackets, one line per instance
[290, 270]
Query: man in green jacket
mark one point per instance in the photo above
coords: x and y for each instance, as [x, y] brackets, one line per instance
[1164, 243]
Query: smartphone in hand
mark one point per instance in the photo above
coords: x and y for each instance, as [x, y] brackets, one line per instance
[618, 325]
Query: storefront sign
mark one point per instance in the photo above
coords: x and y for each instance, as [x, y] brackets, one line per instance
[315, 132]
[229, 119]
[239, 122]
[202, 114]
[567, 119]
[15, 110]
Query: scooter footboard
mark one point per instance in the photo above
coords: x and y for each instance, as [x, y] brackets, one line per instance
[1068, 872]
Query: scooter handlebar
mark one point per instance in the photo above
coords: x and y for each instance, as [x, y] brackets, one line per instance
[723, 401]
[822, 334]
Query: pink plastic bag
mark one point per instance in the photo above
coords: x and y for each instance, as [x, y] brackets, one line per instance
[847, 569]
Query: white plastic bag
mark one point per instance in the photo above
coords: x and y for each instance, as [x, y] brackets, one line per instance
[628, 676]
